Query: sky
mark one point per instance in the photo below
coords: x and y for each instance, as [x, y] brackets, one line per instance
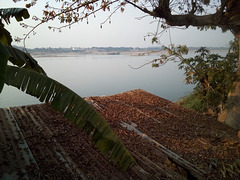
[125, 30]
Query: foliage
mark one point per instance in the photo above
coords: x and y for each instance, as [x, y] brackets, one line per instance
[31, 78]
[213, 75]
[192, 101]
[10, 53]
[3, 64]
[18, 13]
[5, 39]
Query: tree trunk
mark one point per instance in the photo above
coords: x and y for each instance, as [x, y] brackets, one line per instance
[231, 114]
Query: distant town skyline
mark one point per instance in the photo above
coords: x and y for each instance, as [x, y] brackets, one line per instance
[124, 31]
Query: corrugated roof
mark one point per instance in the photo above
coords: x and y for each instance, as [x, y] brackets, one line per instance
[167, 141]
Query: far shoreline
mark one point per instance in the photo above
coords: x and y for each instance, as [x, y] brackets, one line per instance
[127, 53]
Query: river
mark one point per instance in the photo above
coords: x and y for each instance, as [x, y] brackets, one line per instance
[97, 75]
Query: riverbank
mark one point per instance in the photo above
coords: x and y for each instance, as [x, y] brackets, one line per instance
[72, 54]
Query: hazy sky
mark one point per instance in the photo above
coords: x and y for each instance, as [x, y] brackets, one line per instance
[125, 30]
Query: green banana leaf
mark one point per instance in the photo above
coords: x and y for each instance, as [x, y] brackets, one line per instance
[17, 57]
[4, 55]
[5, 36]
[6, 14]
[74, 108]
[18, 13]
[22, 59]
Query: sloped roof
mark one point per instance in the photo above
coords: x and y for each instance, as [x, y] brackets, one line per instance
[166, 140]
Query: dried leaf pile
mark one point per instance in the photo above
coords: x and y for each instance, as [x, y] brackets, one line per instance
[144, 122]
[198, 138]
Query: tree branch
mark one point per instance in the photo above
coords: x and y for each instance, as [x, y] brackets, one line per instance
[192, 20]
[163, 11]
[145, 10]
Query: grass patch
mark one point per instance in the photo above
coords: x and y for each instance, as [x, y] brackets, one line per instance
[192, 101]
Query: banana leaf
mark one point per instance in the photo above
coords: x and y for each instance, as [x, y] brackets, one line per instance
[5, 36]
[17, 57]
[3, 65]
[18, 13]
[22, 59]
[6, 14]
[74, 108]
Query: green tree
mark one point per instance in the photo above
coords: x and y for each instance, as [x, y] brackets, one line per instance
[213, 75]
[29, 77]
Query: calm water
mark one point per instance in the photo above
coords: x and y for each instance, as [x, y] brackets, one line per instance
[95, 75]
